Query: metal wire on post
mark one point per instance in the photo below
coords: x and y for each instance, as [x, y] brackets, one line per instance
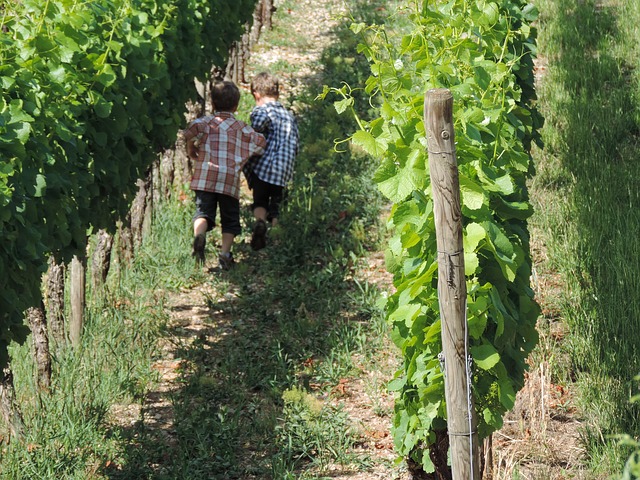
[468, 369]
[469, 363]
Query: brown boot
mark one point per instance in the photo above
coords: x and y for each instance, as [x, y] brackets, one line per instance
[199, 242]
[259, 235]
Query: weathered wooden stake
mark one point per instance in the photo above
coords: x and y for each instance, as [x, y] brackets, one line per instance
[138, 211]
[55, 302]
[78, 299]
[452, 289]
[40, 338]
[9, 409]
[101, 261]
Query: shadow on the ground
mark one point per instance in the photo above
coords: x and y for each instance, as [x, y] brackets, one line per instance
[594, 134]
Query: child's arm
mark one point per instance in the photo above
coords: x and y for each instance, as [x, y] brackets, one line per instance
[193, 135]
[254, 146]
[258, 144]
[192, 150]
[259, 120]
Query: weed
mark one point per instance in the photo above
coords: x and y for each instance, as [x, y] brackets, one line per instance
[312, 432]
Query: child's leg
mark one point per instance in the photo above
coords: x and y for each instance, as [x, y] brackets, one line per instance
[260, 206]
[203, 220]
[229, 220]
[227, 243]
[277, 196]
[205, 214]
[260, 199]
[200, 226]
[260, 213]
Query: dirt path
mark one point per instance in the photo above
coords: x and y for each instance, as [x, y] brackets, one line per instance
[368, 410]
[312, 23]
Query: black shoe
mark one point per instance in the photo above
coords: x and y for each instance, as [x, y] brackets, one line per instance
[259, 235]
[226, 263]
[199, 241]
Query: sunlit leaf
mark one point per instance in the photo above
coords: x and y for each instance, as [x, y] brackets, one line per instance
[370, 144]
[397, 183]
[485, 356]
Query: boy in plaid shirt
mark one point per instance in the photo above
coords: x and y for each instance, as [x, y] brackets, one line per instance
[269, 174]
[220, 145]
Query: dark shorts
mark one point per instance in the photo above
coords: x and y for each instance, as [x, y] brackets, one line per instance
[207, 204]
[267, 196]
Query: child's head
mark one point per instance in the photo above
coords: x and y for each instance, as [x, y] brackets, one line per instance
[225, 96]
[265, 85]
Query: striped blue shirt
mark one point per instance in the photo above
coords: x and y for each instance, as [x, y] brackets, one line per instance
[280, 128]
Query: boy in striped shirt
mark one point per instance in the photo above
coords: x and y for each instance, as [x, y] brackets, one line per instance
[220, 145]
[268, 175]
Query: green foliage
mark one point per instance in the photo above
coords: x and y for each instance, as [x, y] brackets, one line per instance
[91, 92]
[483, 52]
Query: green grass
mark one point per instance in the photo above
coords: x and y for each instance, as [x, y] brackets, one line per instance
[589, 188]
[71, 432]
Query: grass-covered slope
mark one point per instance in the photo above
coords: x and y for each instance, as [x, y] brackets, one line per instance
[588, 196]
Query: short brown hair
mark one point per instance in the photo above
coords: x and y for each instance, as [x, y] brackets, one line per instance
[265, 84]
[225, 96]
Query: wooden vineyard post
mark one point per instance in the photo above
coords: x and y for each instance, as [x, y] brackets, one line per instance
[101, 260]
[452, 289]
[11, 414]
[55, 302]
[77, 299]
[38, 325]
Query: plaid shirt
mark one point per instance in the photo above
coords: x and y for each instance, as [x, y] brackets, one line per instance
[281, 130]
[224, 144]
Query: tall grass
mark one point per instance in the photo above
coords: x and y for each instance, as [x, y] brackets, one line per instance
[589, 188]
[77, 429]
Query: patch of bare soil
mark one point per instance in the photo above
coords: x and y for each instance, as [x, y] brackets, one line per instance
[190, 318]
[367, 401]
[540, 439]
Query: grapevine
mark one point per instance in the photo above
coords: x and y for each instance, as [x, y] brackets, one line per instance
[91, 91]
[482, 51]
